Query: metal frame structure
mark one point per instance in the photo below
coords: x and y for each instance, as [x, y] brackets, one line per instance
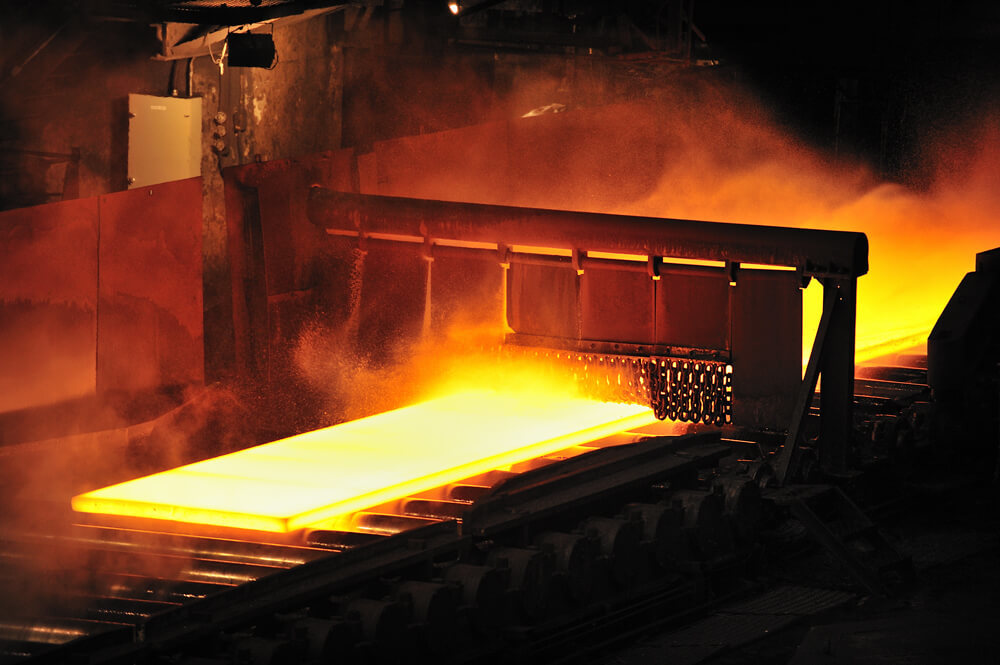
[487, 232]
[823, 254]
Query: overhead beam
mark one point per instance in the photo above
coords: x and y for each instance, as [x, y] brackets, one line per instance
[816, 253]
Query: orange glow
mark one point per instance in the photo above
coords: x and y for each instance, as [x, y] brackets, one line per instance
[765, 266]
[922, 241]
[709, 263]
[714, 152]
[616, 256]
[544, 251]
[330, 473]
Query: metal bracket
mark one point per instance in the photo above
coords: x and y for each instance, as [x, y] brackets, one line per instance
[806, 391]
[503, 255]
[653, 264]
[804, 278]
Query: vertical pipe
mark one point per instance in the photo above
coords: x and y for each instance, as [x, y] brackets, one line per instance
[355, 285]
[505, 294]
[425, 332]
[837, 369]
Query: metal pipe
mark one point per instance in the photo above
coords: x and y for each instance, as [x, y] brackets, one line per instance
[816, 253]
[217, 549]
[895, 374]
[441, 509]
[148, 563]
[416, 244]
[49, 630]
[181, 568]
[330, 539]
[118, 610]
[18, 68]
[466, 492]
[152, 588]
[384, 523]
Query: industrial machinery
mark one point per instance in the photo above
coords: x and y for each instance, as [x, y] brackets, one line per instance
[667, 310]
[548, 555]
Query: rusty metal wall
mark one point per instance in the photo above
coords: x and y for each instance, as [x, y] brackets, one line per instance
[694, 310]
[754, 323]
[544, 300]
[100, 295]
[48, 303]
[618, 305]
[150, 318]
[766, 347]
[465, 293]
[687, 308]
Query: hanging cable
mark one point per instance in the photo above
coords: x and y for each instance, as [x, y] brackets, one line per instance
[222, 56]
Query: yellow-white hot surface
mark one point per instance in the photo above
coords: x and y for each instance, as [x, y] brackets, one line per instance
[330, 473]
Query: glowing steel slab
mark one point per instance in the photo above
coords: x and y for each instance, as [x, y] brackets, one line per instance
[332, 472]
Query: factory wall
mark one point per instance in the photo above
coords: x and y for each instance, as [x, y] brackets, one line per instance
[64, 133]
[337, 82]
[100, 296]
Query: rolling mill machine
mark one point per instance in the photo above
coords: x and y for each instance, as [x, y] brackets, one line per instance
[494, 523]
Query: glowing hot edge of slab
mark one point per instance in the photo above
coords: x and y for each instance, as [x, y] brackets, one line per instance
[332, 472]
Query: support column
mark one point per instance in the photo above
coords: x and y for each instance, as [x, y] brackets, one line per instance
[837, 371]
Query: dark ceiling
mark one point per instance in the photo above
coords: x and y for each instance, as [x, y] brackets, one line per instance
[883, 63]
